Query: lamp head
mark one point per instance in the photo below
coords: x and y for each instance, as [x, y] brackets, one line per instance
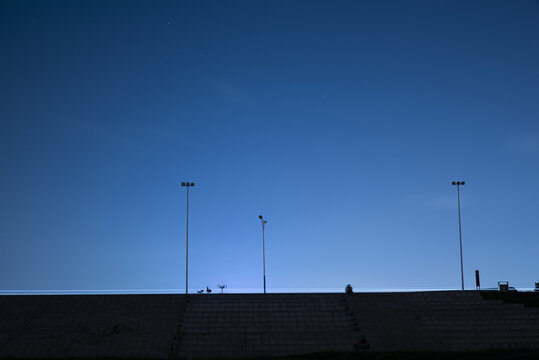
[260, 217]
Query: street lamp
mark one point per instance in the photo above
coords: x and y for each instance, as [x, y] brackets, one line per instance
[459, 183]
[263, 249]
[187, 185]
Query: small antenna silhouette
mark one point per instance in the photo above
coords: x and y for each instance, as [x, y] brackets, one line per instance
[221, 286]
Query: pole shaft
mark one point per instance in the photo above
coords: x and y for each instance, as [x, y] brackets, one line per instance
[187, 247]
[460, 238]
[264, 255]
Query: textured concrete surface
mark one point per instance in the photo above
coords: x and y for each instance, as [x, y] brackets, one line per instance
[444, 321]
[55, 326]
[237, 326]
[250, 325]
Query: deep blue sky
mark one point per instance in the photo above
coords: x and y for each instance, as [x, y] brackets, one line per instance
[343, 123]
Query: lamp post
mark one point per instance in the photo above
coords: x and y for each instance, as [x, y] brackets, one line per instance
[187, 185]
[459, 183]
[263, 249]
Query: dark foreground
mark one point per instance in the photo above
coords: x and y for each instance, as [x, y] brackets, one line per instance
[420, 325]
[395, 355]
[471, 355]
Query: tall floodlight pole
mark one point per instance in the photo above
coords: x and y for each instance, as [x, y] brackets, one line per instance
[263, 249]
[459, 183]
[187, 185]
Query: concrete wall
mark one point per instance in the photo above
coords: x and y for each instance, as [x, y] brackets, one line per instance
[444, 321]
[236, 326]
[239, 326]
[48, 326]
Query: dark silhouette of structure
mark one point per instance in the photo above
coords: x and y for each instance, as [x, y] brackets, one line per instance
[187, 185]
[459, 183]
[221, 286]
[233, 326]
[263, 249]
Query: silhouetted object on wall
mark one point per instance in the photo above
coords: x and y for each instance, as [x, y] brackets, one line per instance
[477, 283]
[363, 344]
[459, 183]
[503, 285]
[221, 286]
[263, 249]
[200, 291]
[348, 289]
[537, 286]
[187, 185]
[208, 290]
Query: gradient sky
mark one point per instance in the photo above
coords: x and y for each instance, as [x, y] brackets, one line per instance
[342, 122]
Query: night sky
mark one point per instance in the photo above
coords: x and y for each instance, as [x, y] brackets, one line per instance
[342, 122]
